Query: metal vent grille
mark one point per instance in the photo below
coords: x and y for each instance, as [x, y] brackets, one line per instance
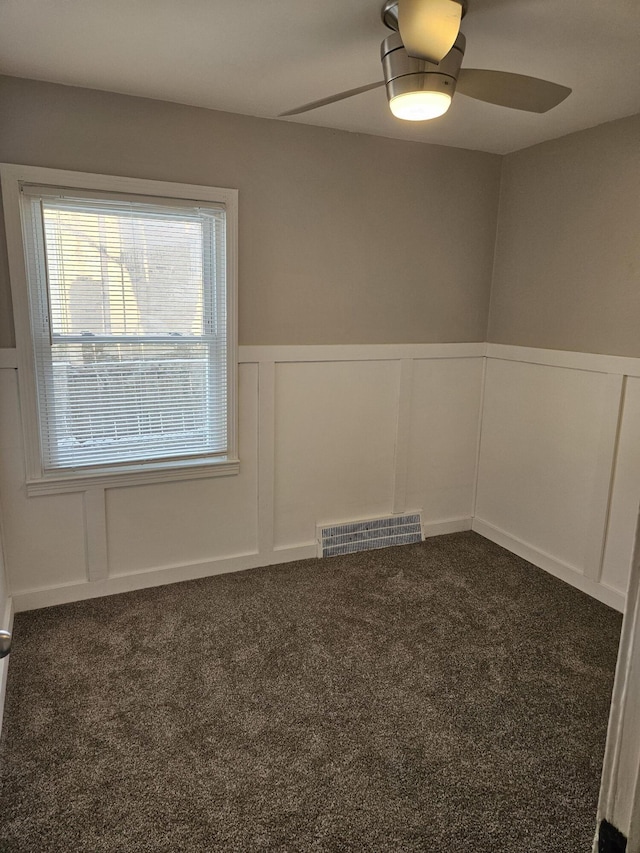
[370, 534]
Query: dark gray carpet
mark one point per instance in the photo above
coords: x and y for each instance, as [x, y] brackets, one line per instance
[445, 696]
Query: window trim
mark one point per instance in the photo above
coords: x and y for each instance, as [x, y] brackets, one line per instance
[37, 482]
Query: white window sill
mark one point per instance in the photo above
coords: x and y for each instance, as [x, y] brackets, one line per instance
[140, 476]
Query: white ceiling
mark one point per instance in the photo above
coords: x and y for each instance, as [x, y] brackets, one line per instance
[261, 57]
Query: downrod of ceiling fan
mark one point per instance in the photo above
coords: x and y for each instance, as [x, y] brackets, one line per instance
[389, 12]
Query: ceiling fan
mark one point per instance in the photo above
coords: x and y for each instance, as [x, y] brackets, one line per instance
[421, 62]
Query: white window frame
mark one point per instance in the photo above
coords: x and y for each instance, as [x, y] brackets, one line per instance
[12, 177]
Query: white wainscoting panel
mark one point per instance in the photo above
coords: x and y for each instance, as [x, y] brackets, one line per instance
[625, 495]
[44, 538]
[335, 436]
[540, 457]
[327, 434]
[443, 437]
[190, 521]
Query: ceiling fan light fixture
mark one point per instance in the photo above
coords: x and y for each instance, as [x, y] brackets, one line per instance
[419, 90]
[420, 106]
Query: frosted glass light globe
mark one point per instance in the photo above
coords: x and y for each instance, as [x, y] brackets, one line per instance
[420, 106]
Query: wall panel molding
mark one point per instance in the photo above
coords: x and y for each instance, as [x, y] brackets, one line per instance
[386, 369]
[550, 449]
[117, 583]
[403, 425]
[266, 452]
[570, 574]
[95, 528]
[605, 467]
[439, 406]
[479, 438]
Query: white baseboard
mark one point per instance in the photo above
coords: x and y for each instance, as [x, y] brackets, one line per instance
[451, 525]
[51, 596]
[550, 564]
[64, 594]
[7, 625]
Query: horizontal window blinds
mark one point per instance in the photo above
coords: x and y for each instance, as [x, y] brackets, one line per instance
[129, 324]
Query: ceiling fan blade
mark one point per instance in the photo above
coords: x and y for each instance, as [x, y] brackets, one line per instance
[429, 28]
[511, 90]
[332, 99]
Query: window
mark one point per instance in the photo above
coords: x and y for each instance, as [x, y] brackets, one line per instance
[129, 345]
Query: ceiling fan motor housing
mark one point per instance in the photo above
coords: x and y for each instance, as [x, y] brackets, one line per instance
[403, 73]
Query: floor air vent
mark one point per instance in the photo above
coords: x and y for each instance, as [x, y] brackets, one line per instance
[367, 535]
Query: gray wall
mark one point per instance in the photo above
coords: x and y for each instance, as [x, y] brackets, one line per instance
[344, 238]
[567, 267]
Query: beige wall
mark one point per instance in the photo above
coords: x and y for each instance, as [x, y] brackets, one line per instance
[567, 267]
[345, 238]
